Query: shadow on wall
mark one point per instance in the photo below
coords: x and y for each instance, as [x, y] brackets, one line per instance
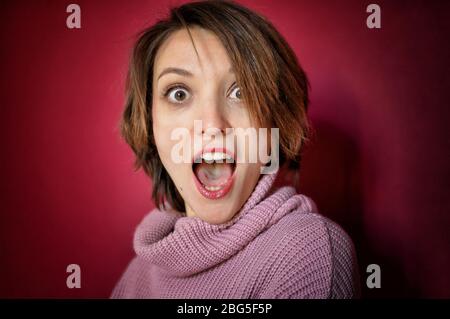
[332, 175]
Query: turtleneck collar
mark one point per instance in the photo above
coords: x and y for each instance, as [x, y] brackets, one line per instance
[185, 246]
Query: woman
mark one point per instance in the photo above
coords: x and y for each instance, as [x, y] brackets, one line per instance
[222, 229]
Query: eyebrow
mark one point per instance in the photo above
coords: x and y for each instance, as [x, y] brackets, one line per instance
[179, 71]
[182, 72]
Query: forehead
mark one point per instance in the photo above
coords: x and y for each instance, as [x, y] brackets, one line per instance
[178, 51]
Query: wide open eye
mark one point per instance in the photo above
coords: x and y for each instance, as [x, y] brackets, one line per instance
[177, 94]
[236, 93]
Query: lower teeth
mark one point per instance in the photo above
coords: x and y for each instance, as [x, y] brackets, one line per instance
[212, 188]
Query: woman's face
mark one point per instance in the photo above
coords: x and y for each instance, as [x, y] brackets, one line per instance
[188, 88]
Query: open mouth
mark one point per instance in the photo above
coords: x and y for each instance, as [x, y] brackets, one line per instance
[214, 172]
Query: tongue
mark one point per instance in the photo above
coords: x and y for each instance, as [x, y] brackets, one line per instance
[213, 174]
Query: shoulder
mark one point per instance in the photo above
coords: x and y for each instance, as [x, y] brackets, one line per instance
[306, 232]
[316, 258]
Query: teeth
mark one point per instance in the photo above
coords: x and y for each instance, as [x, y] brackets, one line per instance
[216, 157]
[212, 188]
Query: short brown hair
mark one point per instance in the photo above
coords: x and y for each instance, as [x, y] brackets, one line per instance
[274, 86]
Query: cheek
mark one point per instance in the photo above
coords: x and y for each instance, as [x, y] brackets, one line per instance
[162, 133]
[239, 117]
[168, 146]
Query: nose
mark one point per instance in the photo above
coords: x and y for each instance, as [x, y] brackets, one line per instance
[214, 120]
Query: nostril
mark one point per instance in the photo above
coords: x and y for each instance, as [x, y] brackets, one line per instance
[213, 131]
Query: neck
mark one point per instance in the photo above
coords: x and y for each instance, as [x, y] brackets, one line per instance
[189, 211]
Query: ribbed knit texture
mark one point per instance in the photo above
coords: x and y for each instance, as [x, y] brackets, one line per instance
[276, 246]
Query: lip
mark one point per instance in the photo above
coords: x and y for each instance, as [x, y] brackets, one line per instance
[226, 186]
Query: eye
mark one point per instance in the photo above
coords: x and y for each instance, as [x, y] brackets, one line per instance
[177, 94]
[236, 93]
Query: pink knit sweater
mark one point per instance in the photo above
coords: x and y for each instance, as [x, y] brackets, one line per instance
[276, 246]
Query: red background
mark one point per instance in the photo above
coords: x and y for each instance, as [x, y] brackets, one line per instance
[378, 165]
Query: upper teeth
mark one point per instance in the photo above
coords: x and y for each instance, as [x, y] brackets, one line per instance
[217, 156]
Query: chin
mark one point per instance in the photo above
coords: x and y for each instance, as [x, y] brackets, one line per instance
[215, 211]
